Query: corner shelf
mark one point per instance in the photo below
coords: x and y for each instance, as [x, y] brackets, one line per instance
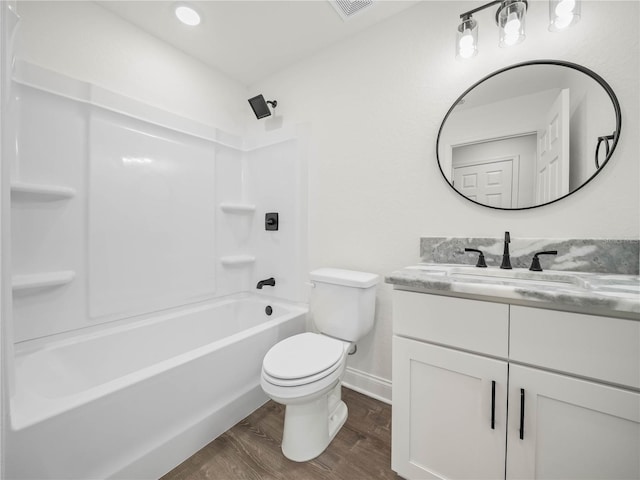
[239, 208]
[39, 280]
[40, 192]
[237, 260]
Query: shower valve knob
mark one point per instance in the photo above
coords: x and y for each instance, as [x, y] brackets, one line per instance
[271, 221]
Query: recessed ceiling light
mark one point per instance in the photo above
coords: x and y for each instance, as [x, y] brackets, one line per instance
[187, 15]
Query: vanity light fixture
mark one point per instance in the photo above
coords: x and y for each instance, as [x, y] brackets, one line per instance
[187, 14]
[563, 14]
[510, 18]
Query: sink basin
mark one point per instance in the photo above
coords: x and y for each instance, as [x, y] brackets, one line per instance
[604, 284]
[515, 277]
[517, 280]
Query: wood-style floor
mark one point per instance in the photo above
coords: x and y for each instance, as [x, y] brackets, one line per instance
[251, 449]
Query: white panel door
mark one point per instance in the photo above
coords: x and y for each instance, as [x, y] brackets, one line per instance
[488, 183]
[442, 413]
[571, 428]
[552, 165]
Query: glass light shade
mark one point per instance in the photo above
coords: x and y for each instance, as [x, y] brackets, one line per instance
[467, 39]
[511, 23]
[563, 14]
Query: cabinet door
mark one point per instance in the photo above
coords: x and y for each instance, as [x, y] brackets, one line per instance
[442, 413]
[572, 429]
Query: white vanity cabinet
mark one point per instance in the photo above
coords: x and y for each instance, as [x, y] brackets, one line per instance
[572, 428]
[442, 412]
[458, 363]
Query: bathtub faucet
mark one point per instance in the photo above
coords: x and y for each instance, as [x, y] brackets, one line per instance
[271, 282]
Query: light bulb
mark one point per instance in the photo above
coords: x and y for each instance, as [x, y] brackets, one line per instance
[511, 39]
[563, 13]
[466, 45]
[562, 22]
[467, 39]
[466, 52]
[565, 8]
[512, 27]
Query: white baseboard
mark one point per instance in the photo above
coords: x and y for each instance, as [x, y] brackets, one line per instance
[368, 384]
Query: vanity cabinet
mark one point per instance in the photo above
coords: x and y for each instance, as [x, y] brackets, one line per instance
[571, 428]
[442, 412]
[570, 382]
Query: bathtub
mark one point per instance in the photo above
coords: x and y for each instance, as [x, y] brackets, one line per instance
[133, 401]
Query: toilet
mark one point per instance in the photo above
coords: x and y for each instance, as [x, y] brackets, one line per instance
[304, 372]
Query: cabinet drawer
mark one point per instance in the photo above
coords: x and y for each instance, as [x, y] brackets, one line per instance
[467, 324]
[597, 347]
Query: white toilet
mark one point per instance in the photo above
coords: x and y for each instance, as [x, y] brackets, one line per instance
[304, 372]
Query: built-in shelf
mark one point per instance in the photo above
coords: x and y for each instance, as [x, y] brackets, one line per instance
[40, 192]
[237, 207]
[237, 260]
[39, 280]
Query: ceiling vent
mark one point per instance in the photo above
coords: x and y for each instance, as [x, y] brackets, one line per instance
[348, 8]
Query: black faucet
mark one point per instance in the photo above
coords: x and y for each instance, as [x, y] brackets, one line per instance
[481, 261]
[535, 261]
[506, 260]
[271, 282]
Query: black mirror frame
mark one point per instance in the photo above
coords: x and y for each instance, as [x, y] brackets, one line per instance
[580, 68]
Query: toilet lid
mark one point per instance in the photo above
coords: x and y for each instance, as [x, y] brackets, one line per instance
[302, 356]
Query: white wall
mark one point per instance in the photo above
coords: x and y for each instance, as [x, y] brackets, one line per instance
[375, 104]
[87, 42]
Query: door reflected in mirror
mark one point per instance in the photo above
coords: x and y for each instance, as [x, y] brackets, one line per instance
[529, 135]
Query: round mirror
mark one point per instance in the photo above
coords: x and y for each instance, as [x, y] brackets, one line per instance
[529, 134]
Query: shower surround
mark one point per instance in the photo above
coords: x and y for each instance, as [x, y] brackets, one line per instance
[125, 217]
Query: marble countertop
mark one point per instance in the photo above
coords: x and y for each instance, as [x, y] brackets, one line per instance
[582, 292]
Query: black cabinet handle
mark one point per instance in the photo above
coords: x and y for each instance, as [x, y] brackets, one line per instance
[493, 405]
[522, 414]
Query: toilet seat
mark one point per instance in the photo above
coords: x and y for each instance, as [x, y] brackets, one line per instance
[303, 359]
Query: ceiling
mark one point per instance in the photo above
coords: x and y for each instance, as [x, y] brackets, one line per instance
[249, 40]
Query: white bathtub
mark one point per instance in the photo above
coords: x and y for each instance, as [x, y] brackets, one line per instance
[136, 400]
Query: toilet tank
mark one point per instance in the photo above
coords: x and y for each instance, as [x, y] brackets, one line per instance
[343, 302]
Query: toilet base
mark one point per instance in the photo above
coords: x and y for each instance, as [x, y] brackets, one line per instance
[310, 427]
